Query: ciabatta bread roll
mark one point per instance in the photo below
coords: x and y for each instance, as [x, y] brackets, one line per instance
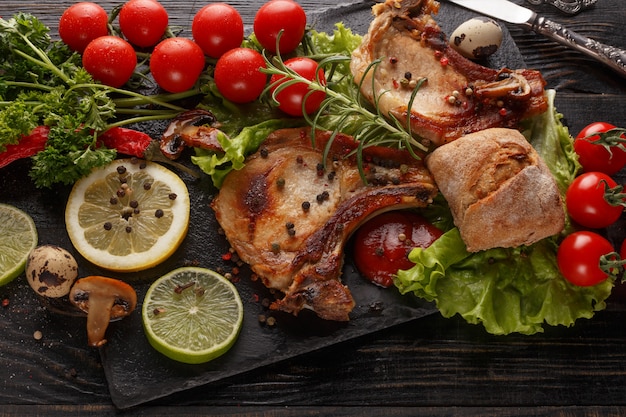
[500, 191]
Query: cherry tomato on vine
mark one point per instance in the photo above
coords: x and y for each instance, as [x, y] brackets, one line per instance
[176, 64]
[292, 97]
[578, 258]
[238, 77]
[110, 60]
[276, 16]
[217, 28]
[382, 244]
[143, 22]
[593, 200]
[594, 155]
[81, 23]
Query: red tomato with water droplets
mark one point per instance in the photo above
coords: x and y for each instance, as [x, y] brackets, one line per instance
[217, 28]
[382, 244]
[238, 75]
[176, 64]
[110, 60]
[81, 23]
[143, 22]
[284, 17]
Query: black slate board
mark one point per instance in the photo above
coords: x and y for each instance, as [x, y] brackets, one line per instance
[136, 373]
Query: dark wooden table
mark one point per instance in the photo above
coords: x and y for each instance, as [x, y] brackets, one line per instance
[427, 367]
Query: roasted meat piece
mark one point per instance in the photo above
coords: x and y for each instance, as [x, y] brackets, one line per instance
[288, 213]
[458, 97]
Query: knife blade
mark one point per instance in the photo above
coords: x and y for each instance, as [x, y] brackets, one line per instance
[614, 58]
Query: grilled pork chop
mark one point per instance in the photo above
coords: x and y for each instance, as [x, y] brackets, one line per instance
[459, 96]
[288, 213]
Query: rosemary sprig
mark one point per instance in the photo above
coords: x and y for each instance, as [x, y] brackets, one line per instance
[344, 110]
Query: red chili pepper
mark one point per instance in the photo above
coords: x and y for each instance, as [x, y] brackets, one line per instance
[126, 141]
[28, 146]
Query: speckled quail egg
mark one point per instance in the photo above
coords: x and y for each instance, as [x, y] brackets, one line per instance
[51, 271]
[477, 38]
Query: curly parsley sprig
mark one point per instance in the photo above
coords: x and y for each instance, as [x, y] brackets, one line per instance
[43, 83]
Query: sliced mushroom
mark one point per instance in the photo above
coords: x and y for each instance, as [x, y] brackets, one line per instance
[509, 83]
[196, 128]
[103, 299]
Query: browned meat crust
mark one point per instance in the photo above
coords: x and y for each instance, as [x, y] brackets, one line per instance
[289, 217]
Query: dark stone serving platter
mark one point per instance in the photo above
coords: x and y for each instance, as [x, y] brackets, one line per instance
[135, 372]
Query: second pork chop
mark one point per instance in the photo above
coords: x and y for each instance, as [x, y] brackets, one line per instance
[458, 97]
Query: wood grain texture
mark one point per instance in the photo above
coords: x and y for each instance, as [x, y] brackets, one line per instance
[428, 367]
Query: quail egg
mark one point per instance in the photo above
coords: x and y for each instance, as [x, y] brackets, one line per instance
[51, 271]
[477, 38]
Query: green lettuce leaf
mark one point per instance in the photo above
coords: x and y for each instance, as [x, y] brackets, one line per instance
[513, 290]
[553, 142]
[247, 141]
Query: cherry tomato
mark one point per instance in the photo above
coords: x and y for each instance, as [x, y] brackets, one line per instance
[578, 258]
[143, 22]
[238, 76]
[595, 156]
[588, 200]
[110, 60]
[81, 23]
[217, 28]
[276, 16]
[382, 245]
[290, 98]
[176, 64]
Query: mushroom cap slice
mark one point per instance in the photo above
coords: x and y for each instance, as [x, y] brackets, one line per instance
[103, 299]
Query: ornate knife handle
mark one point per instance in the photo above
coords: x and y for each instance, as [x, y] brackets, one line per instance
[570, 7]
[609, 55]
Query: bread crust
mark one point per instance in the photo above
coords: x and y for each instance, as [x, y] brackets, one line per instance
[501, 193]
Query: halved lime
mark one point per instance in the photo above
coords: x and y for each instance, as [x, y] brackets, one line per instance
[128, 216]
[192, 315]
[19, 237]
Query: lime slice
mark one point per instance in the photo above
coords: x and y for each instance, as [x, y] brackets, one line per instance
[128, 216]
[19, 237]
[192, 315]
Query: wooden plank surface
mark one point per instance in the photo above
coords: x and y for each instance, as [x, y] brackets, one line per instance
[428, 367]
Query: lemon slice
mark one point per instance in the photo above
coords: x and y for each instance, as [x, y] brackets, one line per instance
[192, 315]
[128, 216]
[18, 237]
